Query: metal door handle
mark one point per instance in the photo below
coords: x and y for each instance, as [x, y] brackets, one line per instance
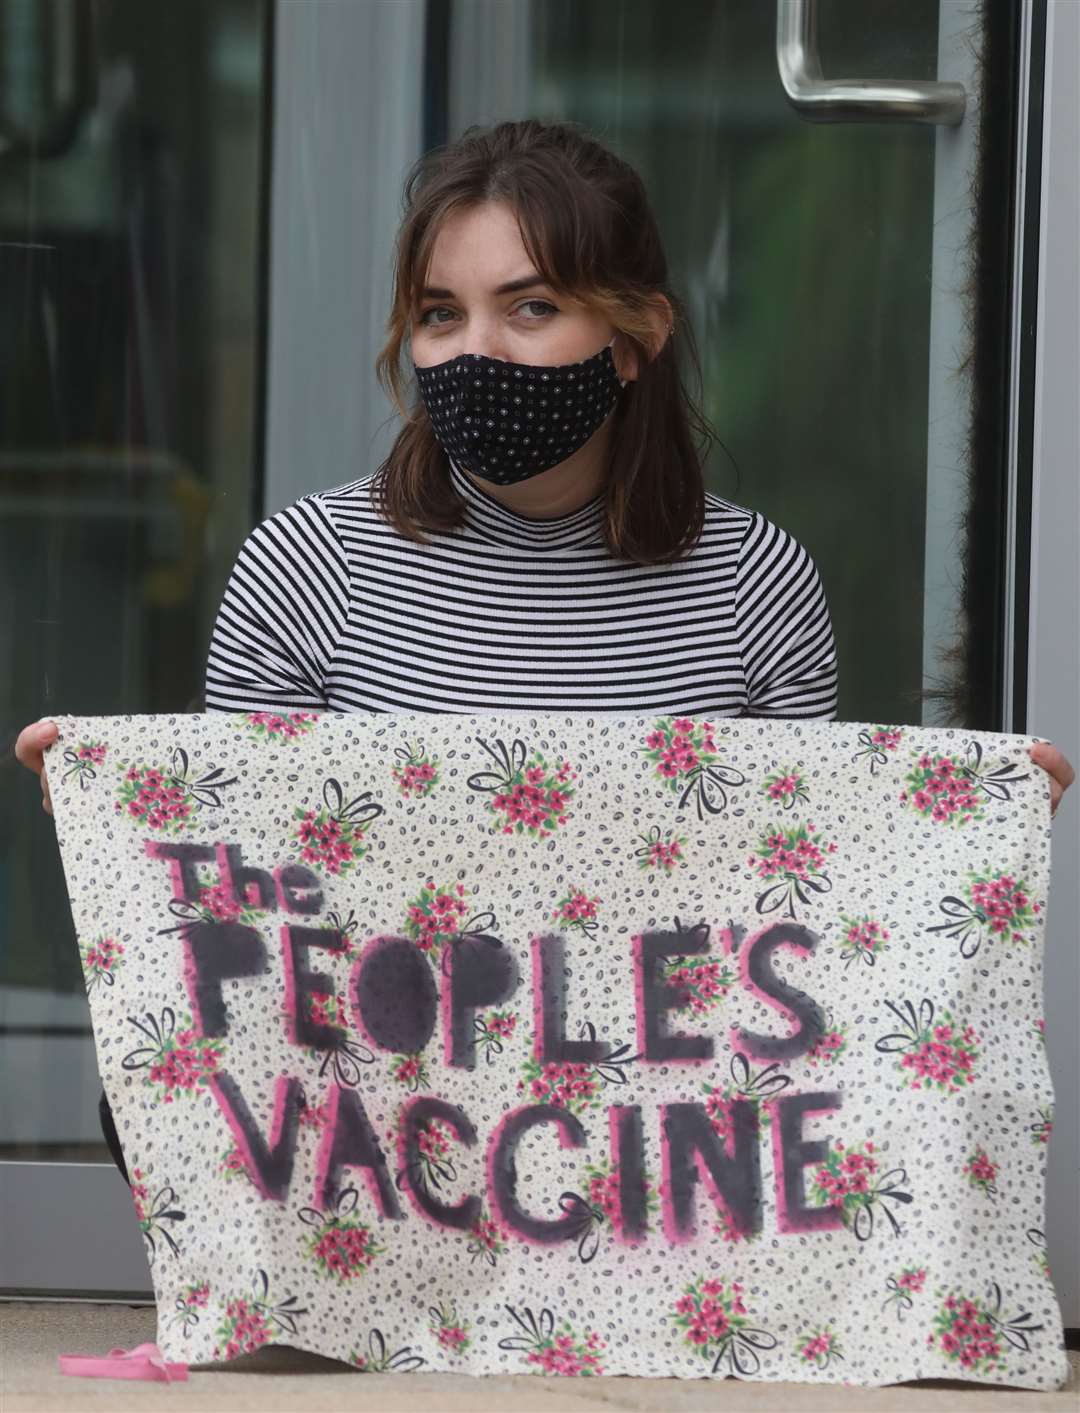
[852, 100]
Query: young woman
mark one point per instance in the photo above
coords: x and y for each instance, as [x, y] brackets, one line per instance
[539, 537]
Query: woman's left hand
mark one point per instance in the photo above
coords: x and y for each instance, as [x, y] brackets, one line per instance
[1057, 767]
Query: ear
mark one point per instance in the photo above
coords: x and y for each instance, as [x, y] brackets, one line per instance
[660, 320]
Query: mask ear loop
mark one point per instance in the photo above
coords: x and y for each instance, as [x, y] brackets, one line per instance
[622, 381]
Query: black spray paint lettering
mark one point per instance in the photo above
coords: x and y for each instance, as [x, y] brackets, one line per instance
[292, 886]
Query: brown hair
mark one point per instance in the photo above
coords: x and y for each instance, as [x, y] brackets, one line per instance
[587, 226]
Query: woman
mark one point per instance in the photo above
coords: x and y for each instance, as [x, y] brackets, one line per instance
[539, 536]
[571, 561]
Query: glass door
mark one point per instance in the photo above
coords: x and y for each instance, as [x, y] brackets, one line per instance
[131, 170]
[817, 247]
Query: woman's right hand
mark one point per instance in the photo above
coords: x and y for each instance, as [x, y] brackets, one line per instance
[29, 750]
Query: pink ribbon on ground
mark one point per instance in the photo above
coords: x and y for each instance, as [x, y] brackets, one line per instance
[145, 1361]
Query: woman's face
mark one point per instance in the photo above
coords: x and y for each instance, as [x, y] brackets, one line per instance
[469, 306]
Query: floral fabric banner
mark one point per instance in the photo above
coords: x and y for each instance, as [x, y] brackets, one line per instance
[575, 1045]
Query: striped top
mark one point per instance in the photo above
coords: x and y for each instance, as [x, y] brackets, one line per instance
[330, 608]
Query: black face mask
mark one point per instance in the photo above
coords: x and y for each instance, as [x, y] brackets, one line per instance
[508, 421]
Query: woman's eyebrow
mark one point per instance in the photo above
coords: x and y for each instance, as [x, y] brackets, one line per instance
[511, 286]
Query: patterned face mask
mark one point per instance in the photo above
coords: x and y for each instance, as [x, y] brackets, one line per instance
[508, 421]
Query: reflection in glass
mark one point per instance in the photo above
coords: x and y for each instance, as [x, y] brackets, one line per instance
[131, 153]
[803, 252]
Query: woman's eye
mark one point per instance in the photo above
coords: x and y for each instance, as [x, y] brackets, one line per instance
[542, 304]
[438, 309]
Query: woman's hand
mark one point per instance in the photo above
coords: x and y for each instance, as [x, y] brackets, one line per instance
[28, 750]
[1057, 767]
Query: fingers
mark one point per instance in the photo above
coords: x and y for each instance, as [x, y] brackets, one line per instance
[1057, 767]
[29, 751]
[32, 742]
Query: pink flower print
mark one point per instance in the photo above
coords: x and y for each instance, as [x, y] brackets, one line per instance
[502, 1023]
[998, 906]
[714, 1320]
[981, 1172]
[828, 1048]
[164, 803]
[941, 789]
[193, 1299]
[819, 1347]
[436, 916]
[333, 846]
[792, 862]
[731, 1234]
[561, 1351]
[315, 1116]
[231, 1164]
[785, 788]
[657, 854]
[602, 1190]
[268, 725]
[183, 1065]
[570, 1086]
[683, 755]
[101, 960]
[938, 1058]
[1041, 1131]
[81, 762]
[409, 1070]
[966, 1334]
[532, 797]
[848, 1181]
[877, 744]
[492, 1030]
[243, 1329]
[219, 903]
[343, 1250]
[487, 1239]
[451, 1332]
[139, 1194]
[432, 1163]
[864, 938]
[577, 910]
[416, 779]
[719, 1109]
[604, 1193]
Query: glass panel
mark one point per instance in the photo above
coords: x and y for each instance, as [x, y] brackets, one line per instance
[803, 252]
[130, 157]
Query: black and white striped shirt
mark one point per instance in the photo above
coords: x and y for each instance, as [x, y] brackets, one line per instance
[330, 608]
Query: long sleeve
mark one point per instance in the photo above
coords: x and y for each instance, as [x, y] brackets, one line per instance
[282, 615]
[789, 655]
